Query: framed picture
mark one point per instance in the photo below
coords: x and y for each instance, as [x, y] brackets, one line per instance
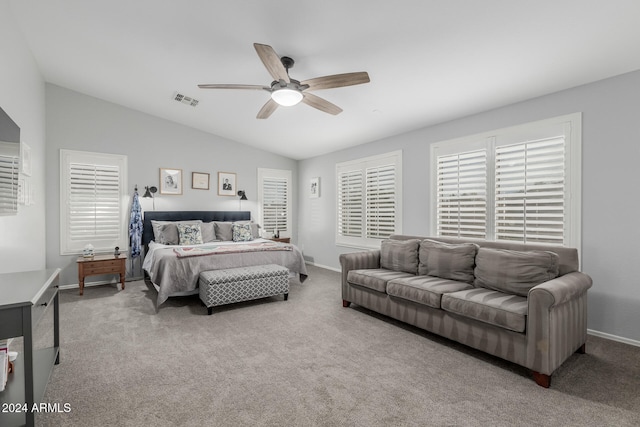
[25, 159]
[226, 184]
[200, 180]
[170, 181]
[314, 188]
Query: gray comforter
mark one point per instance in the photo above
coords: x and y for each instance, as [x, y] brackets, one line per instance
[180, 275]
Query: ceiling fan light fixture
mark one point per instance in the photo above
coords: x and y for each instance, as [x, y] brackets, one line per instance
[287, 97]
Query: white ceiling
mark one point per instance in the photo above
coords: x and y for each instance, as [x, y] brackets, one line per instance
[429, 60]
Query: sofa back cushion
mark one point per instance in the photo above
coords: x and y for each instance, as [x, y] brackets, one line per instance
[448, 261]
[400, 255]
[514, 272]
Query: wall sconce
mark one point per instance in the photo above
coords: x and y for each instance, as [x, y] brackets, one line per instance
[242, 196]
[149, 192]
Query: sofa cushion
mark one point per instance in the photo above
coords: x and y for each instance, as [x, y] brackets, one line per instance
[374, 278]
[400, 255]
[496, 308]
[446, 260]
[514, 272]
[425, 290]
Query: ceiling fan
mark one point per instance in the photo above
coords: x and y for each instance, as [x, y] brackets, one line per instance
[286, 91]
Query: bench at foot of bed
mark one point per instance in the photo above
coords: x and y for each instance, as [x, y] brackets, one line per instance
[219, 287]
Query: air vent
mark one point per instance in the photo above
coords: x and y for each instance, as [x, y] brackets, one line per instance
[185, 99]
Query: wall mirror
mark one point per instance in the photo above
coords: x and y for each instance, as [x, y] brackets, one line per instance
[9, 164]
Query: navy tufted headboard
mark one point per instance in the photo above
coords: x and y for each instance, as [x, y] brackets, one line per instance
[205, 216]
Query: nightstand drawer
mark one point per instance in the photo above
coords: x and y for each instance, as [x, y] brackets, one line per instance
[101, 267]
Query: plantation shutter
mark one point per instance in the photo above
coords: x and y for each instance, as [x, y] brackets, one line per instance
[462, 195]
[8, 184]
[530, 191]
[380, 201]
[94, 202]
[350, 221]
[369, 200]
[275, 212]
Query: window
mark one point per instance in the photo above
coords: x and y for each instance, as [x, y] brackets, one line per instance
[519, 184]
[369, 200]
[93, 205]
[274, 199]
[9, 162]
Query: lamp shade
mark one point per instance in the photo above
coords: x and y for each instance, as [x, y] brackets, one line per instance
[286, 97]
[149, 191]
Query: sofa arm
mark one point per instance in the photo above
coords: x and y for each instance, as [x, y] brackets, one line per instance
[358, 261]
[556, 321]
[561, 289]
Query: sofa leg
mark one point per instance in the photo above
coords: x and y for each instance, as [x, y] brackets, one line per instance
[543, 380]
[209, 311]
[582, 349]
[345, 303]
[286, 297]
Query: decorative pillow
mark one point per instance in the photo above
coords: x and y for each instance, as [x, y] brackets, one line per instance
[514, 272]
[242, 232]
[255, 230]
[208, 230]
[190, 234]
[166, 232]
[224, 231]
[448, 261]
[400, 255]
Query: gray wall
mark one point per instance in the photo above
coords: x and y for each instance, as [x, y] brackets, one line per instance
[610, 199]
[22, 98]
[80, 122]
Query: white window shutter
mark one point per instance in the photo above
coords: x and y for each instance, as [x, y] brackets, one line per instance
[530, 191]
[380, 201]
[369, 200]
[8, 184]
[462, 195]
[93, 201]
[350, 199]
[274, 204]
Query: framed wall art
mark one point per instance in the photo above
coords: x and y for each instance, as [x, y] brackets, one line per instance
[170, 181]
[200, 180]
[314, 188]
[226, 184]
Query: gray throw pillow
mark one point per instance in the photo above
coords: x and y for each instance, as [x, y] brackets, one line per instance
[514, 272]
[448, 261]
[400, 255]
[224, 231]
[208, 230]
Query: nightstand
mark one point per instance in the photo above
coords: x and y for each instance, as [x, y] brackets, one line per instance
[281, 239]
[101, 264]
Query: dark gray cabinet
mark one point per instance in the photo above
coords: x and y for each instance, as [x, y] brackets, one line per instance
[24, 299]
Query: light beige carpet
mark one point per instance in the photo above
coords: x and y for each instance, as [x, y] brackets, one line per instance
[307, 362]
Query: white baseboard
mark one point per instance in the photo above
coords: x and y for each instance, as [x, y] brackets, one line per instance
[326, 267]
[90, 284]
[613, 337]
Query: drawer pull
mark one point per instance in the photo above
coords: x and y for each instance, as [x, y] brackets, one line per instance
[45, 303]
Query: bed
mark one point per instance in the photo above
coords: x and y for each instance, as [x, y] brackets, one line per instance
[174, 270]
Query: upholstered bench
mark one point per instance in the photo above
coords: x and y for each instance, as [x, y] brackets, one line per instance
[219, 287]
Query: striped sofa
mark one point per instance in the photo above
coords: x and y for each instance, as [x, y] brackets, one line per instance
[523, 303]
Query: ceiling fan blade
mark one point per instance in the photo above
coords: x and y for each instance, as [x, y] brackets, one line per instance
[337, 80]
[321, 104]
[267, 109]
[272, 62]
[232, 86]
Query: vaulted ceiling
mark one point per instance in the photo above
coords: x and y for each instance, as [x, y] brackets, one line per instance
[429, 60]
